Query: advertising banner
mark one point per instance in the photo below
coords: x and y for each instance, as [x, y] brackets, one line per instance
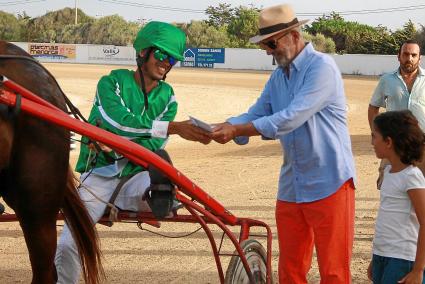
[52, 50]
[111, 54]
[203, 57]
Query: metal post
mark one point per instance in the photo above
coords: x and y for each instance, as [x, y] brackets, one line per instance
[76, 12]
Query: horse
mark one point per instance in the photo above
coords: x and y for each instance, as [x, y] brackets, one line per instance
[35, 177]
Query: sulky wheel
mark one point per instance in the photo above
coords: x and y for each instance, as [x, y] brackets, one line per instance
[256, 258]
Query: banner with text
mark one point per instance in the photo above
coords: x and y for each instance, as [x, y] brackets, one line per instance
[52, 50]
[111, 53]
[203, 57]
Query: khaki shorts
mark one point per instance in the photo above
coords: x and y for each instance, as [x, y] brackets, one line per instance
[385, 162]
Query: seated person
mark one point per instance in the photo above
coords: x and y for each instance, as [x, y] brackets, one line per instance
[139, 106]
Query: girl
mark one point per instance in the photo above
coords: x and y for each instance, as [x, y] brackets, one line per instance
[399, 242]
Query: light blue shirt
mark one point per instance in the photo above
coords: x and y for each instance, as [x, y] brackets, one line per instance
[392, 94]
[307, 113]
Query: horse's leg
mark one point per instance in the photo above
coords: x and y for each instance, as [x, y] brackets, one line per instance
[38, 223]
[6, 140]
[40, 237]
[40, 181]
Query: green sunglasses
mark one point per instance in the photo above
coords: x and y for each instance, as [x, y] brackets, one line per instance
[161, 56]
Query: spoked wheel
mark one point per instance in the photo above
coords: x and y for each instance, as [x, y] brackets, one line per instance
[256, 258]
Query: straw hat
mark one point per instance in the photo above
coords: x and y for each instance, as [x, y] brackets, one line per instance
[274, 20]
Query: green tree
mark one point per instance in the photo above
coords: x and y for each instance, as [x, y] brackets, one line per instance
[77, 34]
[420, 37]
[112, 30]
[48, 28]
[406, 33]
[320, 42]
[10, 28]
[201, 34]
[220, 16]
[243, 26]
[352, 37]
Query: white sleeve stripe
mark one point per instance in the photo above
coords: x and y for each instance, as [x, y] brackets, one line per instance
[172, 100]
[118, 93]
[154, 131]
[122, 127]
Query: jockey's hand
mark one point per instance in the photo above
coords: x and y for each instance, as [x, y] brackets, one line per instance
[223, 132]
[188, 131]
[103, 147]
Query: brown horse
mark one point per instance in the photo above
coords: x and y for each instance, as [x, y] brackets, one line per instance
[35, 178]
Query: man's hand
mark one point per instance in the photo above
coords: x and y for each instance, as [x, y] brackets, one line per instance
[223, 132]
[188, 131]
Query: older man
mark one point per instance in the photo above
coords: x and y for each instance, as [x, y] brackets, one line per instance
[401, 89]
[304, 106]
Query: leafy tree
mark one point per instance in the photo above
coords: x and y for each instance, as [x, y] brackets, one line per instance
[225, 27]
[320, 42]
[220, 16]
[243, 26]
[407, 32]
[23, 20]
[112, 30]
[9, 27]
[379, 42]
[345, 34]
[387, 42]
[77, 34]
[352, 37]
[420, 37]
[201, 34]
[48, 28]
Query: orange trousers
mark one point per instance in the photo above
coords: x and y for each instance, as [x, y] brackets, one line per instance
[328, 224]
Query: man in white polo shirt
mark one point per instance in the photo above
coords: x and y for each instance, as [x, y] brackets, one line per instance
[401, 89]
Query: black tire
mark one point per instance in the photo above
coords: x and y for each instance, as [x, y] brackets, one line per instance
[257, 261]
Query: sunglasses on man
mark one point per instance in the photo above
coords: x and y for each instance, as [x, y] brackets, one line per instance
[161, 56]
[272, 43]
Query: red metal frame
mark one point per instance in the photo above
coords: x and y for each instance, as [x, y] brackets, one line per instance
[212, 211]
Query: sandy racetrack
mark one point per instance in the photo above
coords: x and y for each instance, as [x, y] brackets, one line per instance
[243, 179]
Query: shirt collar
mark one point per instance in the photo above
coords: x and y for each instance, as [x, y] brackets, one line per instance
[302, 57]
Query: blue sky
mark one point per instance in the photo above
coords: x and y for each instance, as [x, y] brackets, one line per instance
[363, 11]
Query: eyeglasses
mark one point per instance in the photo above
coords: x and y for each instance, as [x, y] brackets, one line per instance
[161, 56]
[272, 44]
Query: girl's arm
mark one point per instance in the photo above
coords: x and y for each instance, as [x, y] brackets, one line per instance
[417, 196]
[369, 271]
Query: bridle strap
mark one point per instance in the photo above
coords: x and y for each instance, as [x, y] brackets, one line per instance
[140, 61]
[15, 110]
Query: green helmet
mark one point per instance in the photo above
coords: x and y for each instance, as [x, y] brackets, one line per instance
[165, 37]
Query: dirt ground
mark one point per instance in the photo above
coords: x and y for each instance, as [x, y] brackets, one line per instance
[242, 178]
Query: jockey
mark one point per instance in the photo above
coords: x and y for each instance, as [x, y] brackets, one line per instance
[137, 105]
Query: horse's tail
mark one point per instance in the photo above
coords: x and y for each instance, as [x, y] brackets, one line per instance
[84, 233]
